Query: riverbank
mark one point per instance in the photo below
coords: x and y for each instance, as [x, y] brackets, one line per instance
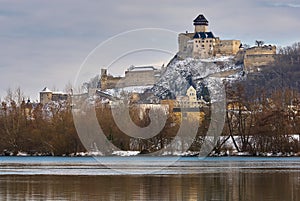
[138, 153]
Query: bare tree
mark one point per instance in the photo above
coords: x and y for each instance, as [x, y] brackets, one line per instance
[259, 43]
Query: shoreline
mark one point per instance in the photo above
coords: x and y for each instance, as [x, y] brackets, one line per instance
[137, 154]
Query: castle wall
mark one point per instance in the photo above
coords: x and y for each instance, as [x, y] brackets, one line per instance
[139, 78]
[261, 50]
[227, 47]
[109, 82]
[252, 62]
[132, 78]
[45, 97]
[59, 96]
[259, 56]
[185, 45]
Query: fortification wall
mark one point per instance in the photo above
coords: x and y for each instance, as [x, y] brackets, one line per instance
[261, 50]
[139, 78]
[227, 47]
[109, 82]
[252, 62]
[259, 56]
[132, 78]
[185, 45]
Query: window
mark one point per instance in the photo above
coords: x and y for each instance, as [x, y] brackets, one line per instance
[202, 45]
[210, 41]
[196, 45]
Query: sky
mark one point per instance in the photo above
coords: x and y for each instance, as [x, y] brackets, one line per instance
[46, 43]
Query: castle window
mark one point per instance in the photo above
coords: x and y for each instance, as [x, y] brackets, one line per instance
[196, 41]
[202, 41]
[210, 41]
[202, 45]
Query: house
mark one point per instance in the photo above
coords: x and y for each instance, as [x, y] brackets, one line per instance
[46, 96]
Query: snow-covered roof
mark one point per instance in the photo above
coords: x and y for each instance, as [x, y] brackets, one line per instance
[141, 68]
[46, 90]
[59, 92]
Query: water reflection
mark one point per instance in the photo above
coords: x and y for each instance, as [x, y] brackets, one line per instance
[210, 186]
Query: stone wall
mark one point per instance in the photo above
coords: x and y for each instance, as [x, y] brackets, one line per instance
[109, 82]
[267, 49]
[45, 97]
[227, 47]
[185, 45]
[252, 62]
[132, 78]
[140, 78]
[259, 56]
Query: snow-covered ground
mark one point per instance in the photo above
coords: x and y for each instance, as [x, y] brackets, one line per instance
[180, 74]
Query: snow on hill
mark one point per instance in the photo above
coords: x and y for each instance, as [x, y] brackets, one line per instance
[180, 74]
[200, 73]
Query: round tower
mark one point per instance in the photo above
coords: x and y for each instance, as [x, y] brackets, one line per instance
[201, 24]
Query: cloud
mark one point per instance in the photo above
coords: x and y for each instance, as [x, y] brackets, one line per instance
[44, 43]
[283, 4]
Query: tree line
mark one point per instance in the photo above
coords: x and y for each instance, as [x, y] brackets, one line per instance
[262, 116]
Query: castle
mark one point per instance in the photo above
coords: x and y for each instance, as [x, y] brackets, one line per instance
[46, 96]
[134, 76]
[202, 44]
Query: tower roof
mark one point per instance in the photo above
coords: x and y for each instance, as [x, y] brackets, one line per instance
[46, 90]
[200, 20]
[204, 35]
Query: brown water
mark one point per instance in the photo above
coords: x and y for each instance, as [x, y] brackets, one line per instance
[236, 185]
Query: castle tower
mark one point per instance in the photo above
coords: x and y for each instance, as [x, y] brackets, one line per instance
[45, 95]
[201, 24]
[103, 79]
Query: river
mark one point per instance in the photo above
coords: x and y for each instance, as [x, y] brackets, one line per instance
[150, 178]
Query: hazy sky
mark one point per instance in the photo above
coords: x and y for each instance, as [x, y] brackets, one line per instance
[43, 43]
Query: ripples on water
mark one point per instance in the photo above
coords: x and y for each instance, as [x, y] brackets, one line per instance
[138, 178]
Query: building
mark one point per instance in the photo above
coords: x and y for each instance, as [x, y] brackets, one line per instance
[46, 96]
[258, 56]
[190, 99]
[202, 43]
[134, 76]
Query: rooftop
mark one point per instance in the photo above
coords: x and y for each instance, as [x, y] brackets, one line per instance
[46, 90]
[200, 20]
[141, 68]
[204, 35]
